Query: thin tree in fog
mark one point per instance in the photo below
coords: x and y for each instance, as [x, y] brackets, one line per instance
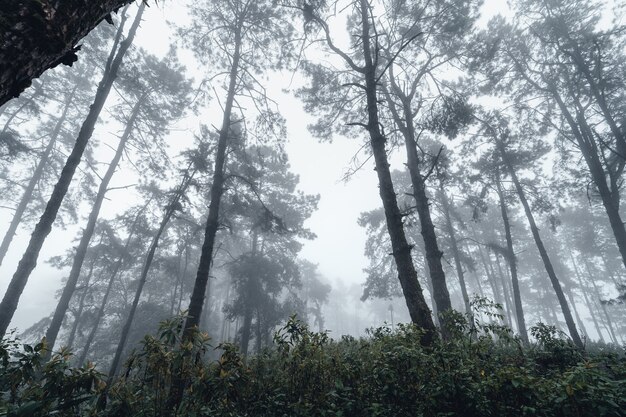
[113, 275]
[555, 61]
[240, 39]
[42, 230]
[503, 138]
[151, 113]
[351, 96]
[175, 204]
[430, 44]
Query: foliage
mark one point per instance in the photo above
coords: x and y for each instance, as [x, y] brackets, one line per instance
[33, 388]
[479, 372]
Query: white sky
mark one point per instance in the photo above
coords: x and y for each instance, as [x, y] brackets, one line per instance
[339, 247]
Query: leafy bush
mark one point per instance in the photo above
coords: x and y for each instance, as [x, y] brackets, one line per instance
[482, 371]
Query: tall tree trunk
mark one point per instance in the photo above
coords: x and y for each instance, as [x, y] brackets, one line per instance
[596, 290]
[105, 298]
[81, 302]
[512, 261]
[28, 192]
[571, 326]
[589, 150]
[169, 212]
[505, 290]
[246, 330]
[418, 309]
[217, 189]
[585, 297]
[30, 49]
[83, 245]
[455, 249]
[29, 260]
[581, 325]
[403, 119]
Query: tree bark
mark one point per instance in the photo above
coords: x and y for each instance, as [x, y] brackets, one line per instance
[29, 260]
[418, 309]
[83, 245]
[28, 192]
[586, 298]
[455, 250]
[39, 35]
[433, 254]
[571, 326]
[169, 212]
[217, 189]
[107, 293]
[512, 261]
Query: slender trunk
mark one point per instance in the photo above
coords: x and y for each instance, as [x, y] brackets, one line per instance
[29, 260]
[588, 148]
[418, 309]
[28, 192]
[455, 249]
[140, 284]
[105, 298]
[505, 291]
[83, 245]
[581, 325]
[571, 326]
[596, 290]
[429, 284]
[182, 284]
[246, 330]
[586, 298]
[28, 50]
[81, 302]
[259, 333]
[217, 189]
[512, 261]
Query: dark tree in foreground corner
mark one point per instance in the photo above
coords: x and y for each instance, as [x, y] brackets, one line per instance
[37, 35]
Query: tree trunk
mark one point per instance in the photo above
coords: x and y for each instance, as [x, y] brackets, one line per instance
[28, 192]
[418, 309]
[140, 284]
[217, 189]
[29, 49]
[586, 298]
[246, 330]
[512, 261]
[83, 245]
[455, 250]
[107, 293]
[43, 228]
[581, 325]
[81, 303]
[169, 212]
[571, 326]
[588, 148]
[596, 290]
[505, 290]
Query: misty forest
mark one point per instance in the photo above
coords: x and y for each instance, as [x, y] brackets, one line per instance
[312, 208]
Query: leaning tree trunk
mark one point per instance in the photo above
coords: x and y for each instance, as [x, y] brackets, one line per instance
[39, 35]
[567, 314]
[401, 250]
[596, 290]
[83, 245]
[512, 261]
[43, 228]
[28, 192]
[173, 205]
[105, 298]
[455, 250]
[196, 302]
[433, 254]
[589, 150]
[140, 284]
[586, 298]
